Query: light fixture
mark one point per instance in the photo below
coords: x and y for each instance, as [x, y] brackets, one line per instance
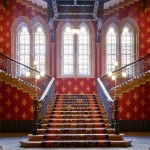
[110, 74]
[35, 63]
[42, 74]
[75, 31]
[115, 63]
[124, 74]
[27, 74]
[37, 76]
[113, 77]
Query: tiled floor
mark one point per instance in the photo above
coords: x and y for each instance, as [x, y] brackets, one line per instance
[140, 141]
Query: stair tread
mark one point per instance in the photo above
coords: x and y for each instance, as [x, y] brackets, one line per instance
[77, 134]
[76, 122]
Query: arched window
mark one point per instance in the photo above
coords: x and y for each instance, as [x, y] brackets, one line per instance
[75, 52]
[84, 53]
[111, 48]
[67, 51]
[40, 48]
[120, 43]
[23, 49]
[31, 43]
[127, 46]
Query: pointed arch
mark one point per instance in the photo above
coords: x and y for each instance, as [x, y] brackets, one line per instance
[18, 24]
[40, 45]
[127, 42]
[41, 40]
[78, 51]
[87, 65]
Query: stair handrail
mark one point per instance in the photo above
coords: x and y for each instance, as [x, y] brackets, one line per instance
[105, 98]
[133, 70]
[10, 66]
[45, 100]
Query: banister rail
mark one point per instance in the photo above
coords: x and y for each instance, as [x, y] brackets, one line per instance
[46, 99]
[106, 99]
[132, 70]
[17, 69]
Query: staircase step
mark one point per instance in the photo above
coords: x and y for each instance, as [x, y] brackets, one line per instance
[78, 105]
[75, 112]
[75, 131]
[77, 109]
[75, 125]
[55, 116]
[75, 102]
[75, 120]
[81, 143]
[75, 137]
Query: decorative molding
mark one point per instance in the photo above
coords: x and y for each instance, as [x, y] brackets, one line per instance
[110, 9]
[36, 7]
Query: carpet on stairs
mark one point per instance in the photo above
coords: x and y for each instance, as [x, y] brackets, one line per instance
[76, 121]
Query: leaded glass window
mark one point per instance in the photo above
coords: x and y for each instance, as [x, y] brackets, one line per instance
[76, 54]
[67, 52]
[23, 51]
[83, 52]
[40, 48]
[127, 46]
[111, 49]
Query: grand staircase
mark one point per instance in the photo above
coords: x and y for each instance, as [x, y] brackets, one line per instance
[75, 121]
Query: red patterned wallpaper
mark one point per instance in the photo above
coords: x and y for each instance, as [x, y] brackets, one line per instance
[13, 11]
[135, 105]
[75, 86]
[15, 104]
[136, 12]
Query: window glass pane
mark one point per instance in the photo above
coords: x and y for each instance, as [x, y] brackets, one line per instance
[67, 52]
[111, 49]
[83, 52]
[40, 48]
[127, 48]
[23, 49]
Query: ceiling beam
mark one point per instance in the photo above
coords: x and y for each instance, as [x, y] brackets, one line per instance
[83, 16]
[75, 9]
[62, 2]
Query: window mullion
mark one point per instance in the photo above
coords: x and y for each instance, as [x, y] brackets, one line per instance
[75, 55]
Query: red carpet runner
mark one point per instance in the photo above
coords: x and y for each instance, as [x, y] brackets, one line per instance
[76, 121]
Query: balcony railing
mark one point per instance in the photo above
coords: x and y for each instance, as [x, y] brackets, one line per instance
[18, 70]
[46, 83]
[132, 70]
